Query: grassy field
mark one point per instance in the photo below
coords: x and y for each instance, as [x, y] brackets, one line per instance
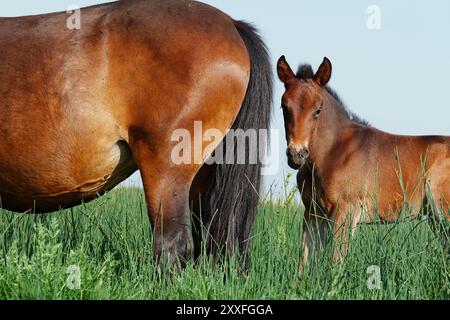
[110, 241]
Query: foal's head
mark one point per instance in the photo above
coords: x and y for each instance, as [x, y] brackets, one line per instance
[302, 104]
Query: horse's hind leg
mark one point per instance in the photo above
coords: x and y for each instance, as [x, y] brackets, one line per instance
[166, 188]
[440, 226]
[439, 222]
[438, 208]
[198, 196]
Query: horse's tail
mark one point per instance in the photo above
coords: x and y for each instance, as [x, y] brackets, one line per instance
[232, 200]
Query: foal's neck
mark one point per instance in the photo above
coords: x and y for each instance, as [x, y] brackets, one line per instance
[330, 128]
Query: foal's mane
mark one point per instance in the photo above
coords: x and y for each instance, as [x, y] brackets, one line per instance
[305, 72]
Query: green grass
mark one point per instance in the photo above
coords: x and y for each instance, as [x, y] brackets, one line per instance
[110, 240]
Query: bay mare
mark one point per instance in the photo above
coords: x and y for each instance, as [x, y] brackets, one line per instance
[350, 172]
[82, 109]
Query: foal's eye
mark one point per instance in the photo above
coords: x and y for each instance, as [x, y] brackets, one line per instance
[318, 112]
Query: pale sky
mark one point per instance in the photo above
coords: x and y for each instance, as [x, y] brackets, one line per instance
[396, 77]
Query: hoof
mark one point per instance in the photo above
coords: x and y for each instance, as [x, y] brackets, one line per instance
[174, 249]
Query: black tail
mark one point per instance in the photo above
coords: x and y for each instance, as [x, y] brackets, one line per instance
[231, 204]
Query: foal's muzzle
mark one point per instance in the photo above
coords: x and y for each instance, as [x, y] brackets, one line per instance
[297, 157]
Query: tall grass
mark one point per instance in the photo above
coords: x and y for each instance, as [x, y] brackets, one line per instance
[110, 240]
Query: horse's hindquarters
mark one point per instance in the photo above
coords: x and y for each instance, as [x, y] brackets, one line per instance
[122, 77]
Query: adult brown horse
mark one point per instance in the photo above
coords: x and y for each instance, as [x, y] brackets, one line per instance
[351, 172]
[81, 110]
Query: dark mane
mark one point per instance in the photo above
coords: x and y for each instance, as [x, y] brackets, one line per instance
[305, 72]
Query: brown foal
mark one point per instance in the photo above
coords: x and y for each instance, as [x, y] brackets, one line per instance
[350, 172]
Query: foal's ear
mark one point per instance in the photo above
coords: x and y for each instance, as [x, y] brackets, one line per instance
[323, 75]
[285, 72]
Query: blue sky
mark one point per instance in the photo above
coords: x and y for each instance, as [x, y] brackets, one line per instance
[396, 77]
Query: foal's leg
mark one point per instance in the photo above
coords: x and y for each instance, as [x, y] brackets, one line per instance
[439, 221]
[439, 204]
[315, 232]
[315, 224]
[441, 229]
[345, 222]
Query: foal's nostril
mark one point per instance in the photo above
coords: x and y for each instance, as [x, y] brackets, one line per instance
[297, 155]
[304, 153]
[292, 152]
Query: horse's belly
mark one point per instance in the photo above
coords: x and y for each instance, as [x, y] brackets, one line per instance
[103, 170]
[94, 172]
